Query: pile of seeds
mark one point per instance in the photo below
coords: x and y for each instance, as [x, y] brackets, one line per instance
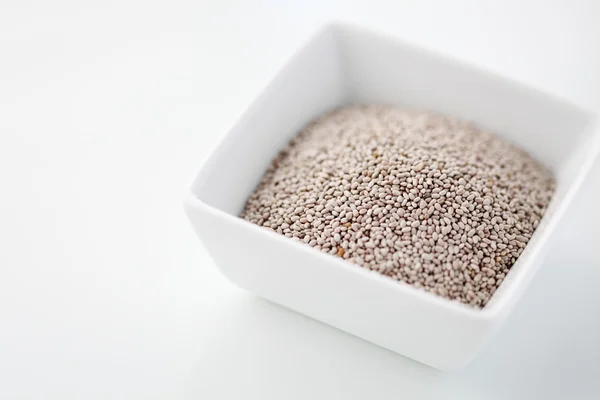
[414, 195]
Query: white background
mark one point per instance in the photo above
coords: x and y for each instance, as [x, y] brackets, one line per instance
[107, 110]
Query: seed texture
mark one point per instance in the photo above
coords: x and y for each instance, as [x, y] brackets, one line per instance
[419, 197]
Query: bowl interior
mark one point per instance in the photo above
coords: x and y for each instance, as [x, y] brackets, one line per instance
[343, 64]
[379, 69]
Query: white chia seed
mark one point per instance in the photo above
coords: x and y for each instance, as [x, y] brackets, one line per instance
[416, 196]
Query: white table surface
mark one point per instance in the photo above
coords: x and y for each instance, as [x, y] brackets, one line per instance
[106, 112]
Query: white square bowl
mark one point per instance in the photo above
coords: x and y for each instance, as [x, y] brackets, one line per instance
[345, 64]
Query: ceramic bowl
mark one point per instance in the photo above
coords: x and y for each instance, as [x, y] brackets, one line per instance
[345, 64]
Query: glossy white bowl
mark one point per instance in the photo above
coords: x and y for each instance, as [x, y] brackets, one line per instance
[345, 64]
